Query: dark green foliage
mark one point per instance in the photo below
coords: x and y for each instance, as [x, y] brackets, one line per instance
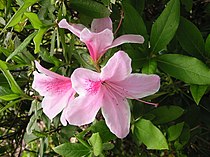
[176, 47]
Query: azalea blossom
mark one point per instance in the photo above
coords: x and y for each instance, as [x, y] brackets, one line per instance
[100, 37]
[56, 89]
[109, 91]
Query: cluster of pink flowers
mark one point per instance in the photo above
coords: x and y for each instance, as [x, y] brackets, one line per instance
[107, 90]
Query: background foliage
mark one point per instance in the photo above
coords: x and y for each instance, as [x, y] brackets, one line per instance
[177, 48]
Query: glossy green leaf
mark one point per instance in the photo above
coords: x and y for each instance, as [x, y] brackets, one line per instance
[7, 95]
[149, 67]
[103, 130]
[175, 131]
[72, 150]
[96, 142]
[139, 5]
[50, 59]
[165, 114]
[133, 22]
[7, 52]
[150, 135]
[38, 39]
[90, 8]
[197, 92]
[17, 16]
[21, 47]
[34, 19]
[10, 104]
[164, 28]
[13, 84]
[188, 69]
[207, 46]
[183, 138]
[190, 38]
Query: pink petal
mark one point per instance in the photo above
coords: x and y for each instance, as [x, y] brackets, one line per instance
[83, 109]
[48, 72]
[63, 117]
[47, 85]
[116, 112]
[127, 39]
[53, 105]
[97, 42]
[74, 28]
[82, 78]
[117, 68]
[56, 89]
[138, 85]
[98, 25]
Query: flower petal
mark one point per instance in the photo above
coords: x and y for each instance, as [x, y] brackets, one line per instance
[83, 109]
[53, 105]
[96, 42]
[98, 25]
[47, 85]
[138, 85]
[128, 38]
[117, 68]
[116, 112]
[74, 28]
[81, 79]
[48, 72]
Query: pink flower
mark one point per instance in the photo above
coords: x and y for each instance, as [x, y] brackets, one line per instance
[108, 90]
[100, 37]
[56, 89]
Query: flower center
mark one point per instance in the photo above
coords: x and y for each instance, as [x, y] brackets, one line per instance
[93, 86]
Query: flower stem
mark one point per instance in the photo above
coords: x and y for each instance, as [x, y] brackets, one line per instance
[98, 69]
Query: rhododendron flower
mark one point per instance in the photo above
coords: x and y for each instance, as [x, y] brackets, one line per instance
[108, 90]
[56, 89]
[100, 37]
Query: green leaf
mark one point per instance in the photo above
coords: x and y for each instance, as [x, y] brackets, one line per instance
[32, 123]
[7, 52]
[13, 84]
[108, 146]
[90, 8]
[197, 92]
[34, 19]
[17, 16]
[175, 131]
[139, 5]
[165, 26]
[150, 135]
[165, 114]
[183, 138]
[38, 39]
[188, 69]
[103, 130]
[190, 38]
[133, 22]
[22, 46]
[207, 46]
[72, 150]
[149, 67]
[51, 59]
[96, 142]
[7, 95]
[29, 138]
[10, 104]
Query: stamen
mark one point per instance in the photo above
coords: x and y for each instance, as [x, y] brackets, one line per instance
[124, 93]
